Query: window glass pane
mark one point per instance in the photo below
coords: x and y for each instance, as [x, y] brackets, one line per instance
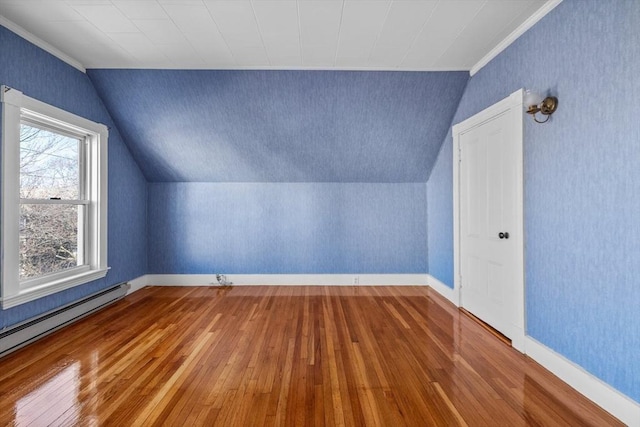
[49, 164]
[50, 238]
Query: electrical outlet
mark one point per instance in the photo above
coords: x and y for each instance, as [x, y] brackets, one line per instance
[356, 280]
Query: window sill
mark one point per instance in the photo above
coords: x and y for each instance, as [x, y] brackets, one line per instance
[31, 294]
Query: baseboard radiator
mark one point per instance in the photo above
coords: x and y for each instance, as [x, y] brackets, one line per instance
[17, 336]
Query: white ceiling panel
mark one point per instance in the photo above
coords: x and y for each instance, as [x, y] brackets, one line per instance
[87, 2]
[211, 48]
[236, 20]
[192, 17]
[141, 9]
[130, 39]
[278, 24]
[325, 34]
[277, 18]
[320, 21]
[181, 53]
[237, 25]
[107, 18]
[320, 29]
[362, 22]
[160, 31]
[504, 31]
[402, 25]
[479, 35]
[250, 56]
[24, 12]
[447, 21]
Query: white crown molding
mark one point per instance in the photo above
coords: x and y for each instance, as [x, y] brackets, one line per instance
[15, 28]
[522, 28]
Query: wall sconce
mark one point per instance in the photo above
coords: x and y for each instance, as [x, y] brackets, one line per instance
[535, 104]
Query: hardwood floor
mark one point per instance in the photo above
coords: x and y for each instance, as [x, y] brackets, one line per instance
[263, 356]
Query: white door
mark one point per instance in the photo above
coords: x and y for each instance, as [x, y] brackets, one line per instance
[490, 219]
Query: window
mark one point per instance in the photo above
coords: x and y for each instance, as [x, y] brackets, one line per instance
[54, 199]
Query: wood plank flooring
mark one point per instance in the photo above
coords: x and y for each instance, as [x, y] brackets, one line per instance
[283, 356]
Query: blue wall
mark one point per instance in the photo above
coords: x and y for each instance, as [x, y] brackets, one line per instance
[582, 184]
[439, 215]
[287, 228]
[39, 75]
[282, 126]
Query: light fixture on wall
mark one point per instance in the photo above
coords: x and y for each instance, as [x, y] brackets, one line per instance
[536, 104]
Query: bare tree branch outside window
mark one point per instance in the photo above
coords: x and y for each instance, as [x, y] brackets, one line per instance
[49, 170]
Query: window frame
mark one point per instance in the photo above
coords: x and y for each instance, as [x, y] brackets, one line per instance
[17, 107]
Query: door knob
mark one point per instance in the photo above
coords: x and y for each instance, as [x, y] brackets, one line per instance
[504, 235]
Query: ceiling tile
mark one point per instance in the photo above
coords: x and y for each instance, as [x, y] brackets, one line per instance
[278, 25]
[66, 33]
[211, 48]
[362, 22]
[287, 56]
[147, 55]
[277, 18]
[237, 24]
[23, 13]
[125, 40]
[141, 9]
[320, 21]
[160, 31]
[403, 23]
[286, 51]
[503, 33]
[318, 57]
[190, 18]
[89, 2]
[182, 55]
[476, 39]
[181, 2]
[250, 56]
[94, 55]
[342, 34]
[106, 17]
[447, 21]
[234, 17]
[319, 26]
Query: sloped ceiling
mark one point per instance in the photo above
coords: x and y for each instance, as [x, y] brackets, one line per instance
[282, 126]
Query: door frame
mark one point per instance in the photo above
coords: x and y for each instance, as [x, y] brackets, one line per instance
[514, 104]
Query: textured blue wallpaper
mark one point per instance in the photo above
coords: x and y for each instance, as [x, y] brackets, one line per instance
[282, 126]
[582, 183]
[439, 211]
[42, 76]
[287, 228]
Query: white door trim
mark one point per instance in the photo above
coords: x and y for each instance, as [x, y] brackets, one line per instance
[513, 101]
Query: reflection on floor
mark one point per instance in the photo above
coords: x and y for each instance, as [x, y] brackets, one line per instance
[294, 356]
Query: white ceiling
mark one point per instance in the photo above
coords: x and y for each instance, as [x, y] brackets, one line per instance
[425, 35]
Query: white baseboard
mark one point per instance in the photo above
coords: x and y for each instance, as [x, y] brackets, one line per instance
[611, 400]
[138, 283]
[605, 396]
[451, 294]
[289, 279]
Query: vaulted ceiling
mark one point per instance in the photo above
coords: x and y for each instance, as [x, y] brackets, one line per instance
[282, 126]
[187, 85]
